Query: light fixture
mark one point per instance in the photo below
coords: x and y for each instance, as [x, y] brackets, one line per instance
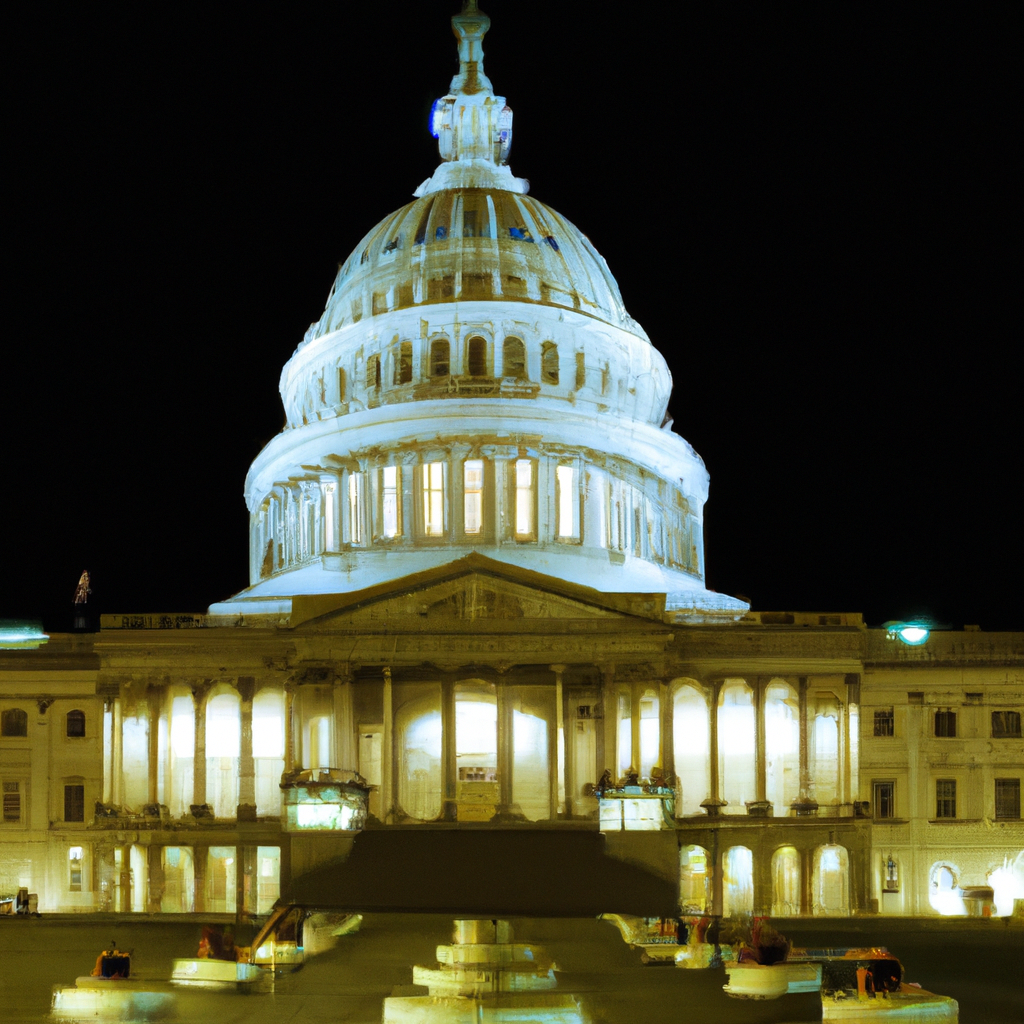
[911, 633]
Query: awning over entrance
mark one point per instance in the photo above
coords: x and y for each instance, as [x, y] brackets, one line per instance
[487, 873]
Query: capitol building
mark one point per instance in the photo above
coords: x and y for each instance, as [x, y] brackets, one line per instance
[477, 603]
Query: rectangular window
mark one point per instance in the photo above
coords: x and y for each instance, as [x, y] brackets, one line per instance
[12, 802]
[945, 798]
[74, 803]
[1005, 724]
[433, 499]
[75, 861]
[1007, 798]
[884, 722]
[945, 723]
[567, 497]
[525, 491]
[885, 803]
[373, 372]
[355, 508]
[473, 495]
[330, 543]
[391, 501]
[403, 364]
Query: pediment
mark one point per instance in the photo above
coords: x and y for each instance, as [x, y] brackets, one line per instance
[466, 594]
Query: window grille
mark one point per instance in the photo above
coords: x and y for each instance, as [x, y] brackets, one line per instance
[1007, 798]
[12, 802]
[945, 798]
[1005, 724]
[884, 722]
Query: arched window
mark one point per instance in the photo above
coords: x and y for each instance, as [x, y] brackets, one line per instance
[440, 358]
[14, 722]
[943, 883]
[694, 880]
[549, 363]
[75, 723]
[692, 735]
[736, 741]
[782, 746]
[514, 359]
[785, 882]
[223, 748]
[831, 881]
[373, 372]
[737, 881]
[476, 357]
[418, 727]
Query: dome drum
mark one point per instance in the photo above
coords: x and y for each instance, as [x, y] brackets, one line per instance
[464, 350]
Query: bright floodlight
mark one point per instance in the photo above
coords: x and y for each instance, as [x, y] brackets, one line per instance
[911, 633]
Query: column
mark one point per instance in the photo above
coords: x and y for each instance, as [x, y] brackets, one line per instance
[715, 855]
[246, 811]
[762, 878]
[245, 886]
[606, 754]
[345, 750]
[853, 736]
[714, 803]
[289, 727]
[199, 756]
[759, 806]
[450, 806]
[153, 718]
[568, 719]
[387, 776]
[506, 754]
[556, 752]
[125, 881]
[200, 861]
[108, 750]
[636, 691]
[806, 882]
[804, 805]
[668, 739]
[156, 879]
[117, 761]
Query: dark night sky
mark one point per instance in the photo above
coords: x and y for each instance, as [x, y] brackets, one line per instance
[808, 207]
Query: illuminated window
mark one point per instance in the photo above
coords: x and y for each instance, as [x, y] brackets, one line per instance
[440, 358]
[1005, 724]
[514, 359]
[403, 364]
[1007, 798]
[374, 372]
[473, 492]
[75, 859]
[525, 491]
[75, 723]
[945, 798]
[945, 723]
[885, 803]
[14, 722]
[355, 507]
[433, 499]
[884, 722]
[391, 501]
[74, 803]
[549, 363]
[567, 491]
[12, 802]
[476, 357]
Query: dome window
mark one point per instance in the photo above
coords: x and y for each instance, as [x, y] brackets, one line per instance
[433, 499]
[476, 357]
[525, 484]
[514, 359]
[473, 495]
[441, 232]
[551, 242]
[549, 363]
[440, 358]
[391, 501]
[373, 372]
[403, 364]
[520, 234]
